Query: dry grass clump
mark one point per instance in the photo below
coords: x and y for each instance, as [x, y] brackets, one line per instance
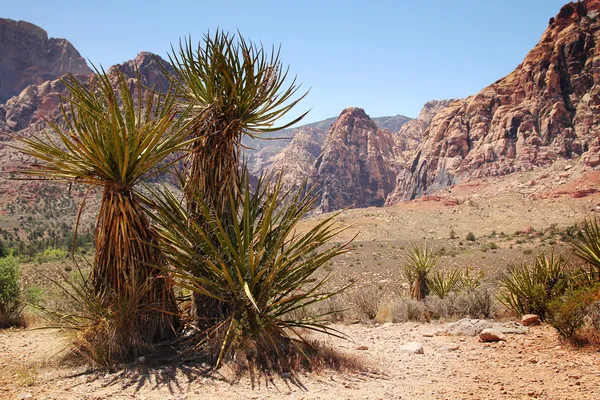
[366, 302]
[478, 303]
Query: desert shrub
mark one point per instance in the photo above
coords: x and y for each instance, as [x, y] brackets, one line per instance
[528, 289]
[404, 309]
[51, 254]
[443, 283]
[568, 313]
[476, 303]
[366, 302]
[3, 249]
[11, 305]
[417, 268]
[470, 237]
[104, 336]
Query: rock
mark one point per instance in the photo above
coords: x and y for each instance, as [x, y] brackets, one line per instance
[296, 161]
[530, 320]
[472, 327]
[450, 347]
[491, 335]
[29, 57]
[412, 348]
[545, 110]
[362, 348]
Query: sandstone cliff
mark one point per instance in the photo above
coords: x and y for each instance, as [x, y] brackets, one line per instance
[355, 166]
[29, 57]
[548, 108]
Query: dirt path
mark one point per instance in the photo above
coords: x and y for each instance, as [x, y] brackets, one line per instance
[526, 366]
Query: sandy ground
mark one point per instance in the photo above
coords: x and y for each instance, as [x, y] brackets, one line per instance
[534, 365]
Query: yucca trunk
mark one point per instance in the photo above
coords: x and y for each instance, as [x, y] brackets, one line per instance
[213, 170]
[128, 260]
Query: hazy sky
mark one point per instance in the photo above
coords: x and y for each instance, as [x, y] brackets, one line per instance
[388, 57]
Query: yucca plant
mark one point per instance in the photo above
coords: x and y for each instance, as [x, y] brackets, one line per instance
[587, 247]
[258, 268]
[419, 263]
[528, 289]
[443, 283]
[112, 139]
[234, 88]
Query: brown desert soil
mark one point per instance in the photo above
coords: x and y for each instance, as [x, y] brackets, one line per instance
[533, 366]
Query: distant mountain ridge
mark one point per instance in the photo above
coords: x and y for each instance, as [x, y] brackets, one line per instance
[29, 57]
[546, 110]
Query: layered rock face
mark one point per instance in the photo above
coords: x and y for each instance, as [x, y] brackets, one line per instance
[43, 100]
[548, 108]
[29, 57]
[296, 161]
[409, 136]
[355, 167]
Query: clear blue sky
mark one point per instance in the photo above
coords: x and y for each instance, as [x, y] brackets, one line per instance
[388, 57]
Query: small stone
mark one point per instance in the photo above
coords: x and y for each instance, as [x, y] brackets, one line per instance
[428, 334]
[491, 335]
[412, 348]
[530, 320]
[532, 360]
[362, 348]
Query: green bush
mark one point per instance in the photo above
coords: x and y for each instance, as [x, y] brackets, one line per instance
[528, 289]
[51, 254]
[11, 305]
[568, 313]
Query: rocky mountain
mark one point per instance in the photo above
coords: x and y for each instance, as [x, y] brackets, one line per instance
[355, 166]
[29, 57]
[547, 109]
[23, 115]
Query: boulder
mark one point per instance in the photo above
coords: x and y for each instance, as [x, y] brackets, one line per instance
[530, 320]
[491, 335]
[412, 348]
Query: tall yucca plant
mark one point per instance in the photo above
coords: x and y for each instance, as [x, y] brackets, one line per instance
[234, 88]
[258, 268]
[112, 138]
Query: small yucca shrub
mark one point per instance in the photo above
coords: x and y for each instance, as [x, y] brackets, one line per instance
[442, 283]
[528, 289]
[258, 268]
[417, 268]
